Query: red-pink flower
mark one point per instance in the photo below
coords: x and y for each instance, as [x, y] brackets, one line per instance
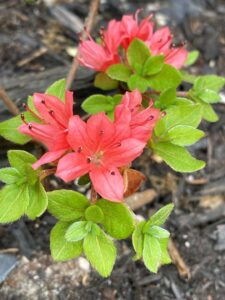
[100, 56]
[100, 149]
[52, 130]
[142, 120]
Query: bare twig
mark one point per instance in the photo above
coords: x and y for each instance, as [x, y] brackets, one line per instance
[9, 103]
[178, 93]
[93, 195]
[33, 56]
[44, 173]
[88, 25]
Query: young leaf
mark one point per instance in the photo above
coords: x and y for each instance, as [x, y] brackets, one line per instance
[137, 54]
[104, 82]
[97, 103]
[211, 82]
[77, 231]
[184, 135]
[177, 157]
[57, 89]
[209, 96]
[151, 253]
[192, 58]
[9, 175]
[165, 258]
[38, 201]
[168, 77]
[166, 98]
[94, 213]
[62, 250]
[119, 72]
[158, 232]
[137, 82]
[67, 205]
[138, 239]
[101, 252]
[153, 65]
[13, 202]
[208, 113]
[118, 219]
[160, 217]
[19, 159]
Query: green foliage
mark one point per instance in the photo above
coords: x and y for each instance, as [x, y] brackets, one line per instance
[67, 205]
[118, 219]
[61, 249]
[104, 82]
[208, 113]
[138, 239]
[192, 58]
[94, 213]
[151, 253]
[137, 55]
[83, 180]
[167, 78]
[119, 72]
[160, 217]
[77, 231]
[137, 82]
[158, 232]
[100, 251]
[153, 65]
[23, 194]
[166, 98]
[57, 89]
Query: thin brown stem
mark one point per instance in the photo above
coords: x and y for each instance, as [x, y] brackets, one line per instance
[179, 93]
[93, 195]
[44, 173]
[88, 27]
[9, 103]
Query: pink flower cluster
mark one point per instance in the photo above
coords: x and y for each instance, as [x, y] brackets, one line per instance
[120, 34]
[98, 147]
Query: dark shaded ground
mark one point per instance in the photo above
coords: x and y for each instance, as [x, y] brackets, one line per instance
[197, 223]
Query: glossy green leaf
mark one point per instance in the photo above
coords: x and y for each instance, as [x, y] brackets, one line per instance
[13, 202]
[101, 252]
[57, 89]
[138, 239]
[167, 78]
[158, 232]
[137, 54]
[166, 98]
[165, 258]
[208, 113]
[97, 103]
[151, 253]
[119, 72]
[61, 249]
[67, 205]
[38, 201]
[153, 65]
[19, 159]
[192, 58]
[209, 96]
[104, 82]
[9, 175]
[160, 217]
[118, 219]
[94, 213]
[210, 82]
[137, 82]
[76, 231]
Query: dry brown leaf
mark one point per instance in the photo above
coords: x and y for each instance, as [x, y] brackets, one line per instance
[211, 201]
[133, 179]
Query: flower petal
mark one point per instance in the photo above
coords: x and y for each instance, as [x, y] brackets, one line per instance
[108, 183]
[72, 166]
[47, 158]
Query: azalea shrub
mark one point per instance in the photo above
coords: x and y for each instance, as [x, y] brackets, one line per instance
[144, 106]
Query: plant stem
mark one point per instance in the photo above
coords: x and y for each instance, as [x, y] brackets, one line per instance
[93, 195]
[44, 173]
[9, 103]
[179, 93]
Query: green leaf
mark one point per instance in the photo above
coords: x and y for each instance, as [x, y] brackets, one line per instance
[119, 72]
[137, 54]
[184, 135]
[211, 82]
[67, 205]
[38, 201]
[160, 217]
[151, 253]
[167, 78]
[165, 258]
[97, 103]
[177, 157]
[77, 231]
[118, 219]
[192, 58]
[166, 98]
[101, 252]
[13, 202]
[9, 129]
[189, 115]
[104, 82]
[94, 213]
[19, 158]
[138, 239]
[137, 82]
[153, 65]
[187, 77]
[57, 89]
[208, 113]
[61, 249]
[83, 180]
[209, 96]
[9, 175]
[158, 232]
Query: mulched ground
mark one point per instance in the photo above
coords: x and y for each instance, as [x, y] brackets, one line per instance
[197, 224]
